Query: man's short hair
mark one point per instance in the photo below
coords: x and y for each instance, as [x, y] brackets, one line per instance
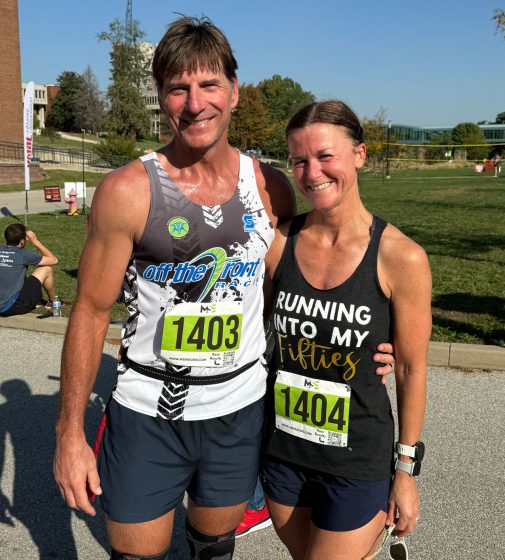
[192, 44]
[14, 234]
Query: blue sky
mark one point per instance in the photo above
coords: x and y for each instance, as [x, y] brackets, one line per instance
[430, 63]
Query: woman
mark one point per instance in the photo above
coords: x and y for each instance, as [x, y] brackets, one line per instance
[343, 281]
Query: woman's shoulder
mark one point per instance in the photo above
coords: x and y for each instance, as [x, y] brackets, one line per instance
[396, 248]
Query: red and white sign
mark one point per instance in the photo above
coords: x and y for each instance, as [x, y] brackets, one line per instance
[28, 129]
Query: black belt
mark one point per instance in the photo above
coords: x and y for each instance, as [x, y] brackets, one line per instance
[164, 375]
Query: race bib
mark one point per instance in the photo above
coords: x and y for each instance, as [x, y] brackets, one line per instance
[202, 334]
[312, 409]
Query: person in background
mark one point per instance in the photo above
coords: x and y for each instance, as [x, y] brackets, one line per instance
[343, 280]
[19, 293]
[497, 164]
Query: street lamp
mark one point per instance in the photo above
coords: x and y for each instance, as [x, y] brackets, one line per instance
[83, 183]
[388, 137]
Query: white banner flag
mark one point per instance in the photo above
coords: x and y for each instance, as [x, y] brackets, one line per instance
[28, 129]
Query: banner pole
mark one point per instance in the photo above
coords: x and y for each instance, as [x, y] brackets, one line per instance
[28, 136]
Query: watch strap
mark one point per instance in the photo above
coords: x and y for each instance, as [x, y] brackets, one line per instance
[412, 469]
[407, 450]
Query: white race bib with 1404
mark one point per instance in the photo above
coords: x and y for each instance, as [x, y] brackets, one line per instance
[202, 334]
[312, 409]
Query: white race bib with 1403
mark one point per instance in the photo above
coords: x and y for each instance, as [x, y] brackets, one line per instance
[202, 334]
[312, 409]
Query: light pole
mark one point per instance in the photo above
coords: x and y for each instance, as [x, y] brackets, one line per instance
[83, 183]
[388, 137]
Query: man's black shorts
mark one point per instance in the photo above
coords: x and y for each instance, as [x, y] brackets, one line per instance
[29, 296]
[147, 463]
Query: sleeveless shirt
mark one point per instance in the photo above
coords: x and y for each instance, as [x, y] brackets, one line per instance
[326, 408]
[193, 290]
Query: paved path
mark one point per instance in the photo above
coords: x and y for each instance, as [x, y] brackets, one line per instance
[14, 202]
[462, 483]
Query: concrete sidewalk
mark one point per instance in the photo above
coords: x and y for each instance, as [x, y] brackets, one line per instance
[14, 202]
[448, 354]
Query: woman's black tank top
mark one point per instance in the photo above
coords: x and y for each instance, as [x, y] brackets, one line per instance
[326, 408]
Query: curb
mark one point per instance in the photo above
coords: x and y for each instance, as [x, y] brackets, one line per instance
[449, 354]
[43, 323]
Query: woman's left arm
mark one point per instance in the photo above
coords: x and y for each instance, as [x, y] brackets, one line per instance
[409, 278]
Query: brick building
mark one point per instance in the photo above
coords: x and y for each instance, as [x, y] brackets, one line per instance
[11, 106]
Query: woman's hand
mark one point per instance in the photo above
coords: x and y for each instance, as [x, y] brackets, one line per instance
[404, 504]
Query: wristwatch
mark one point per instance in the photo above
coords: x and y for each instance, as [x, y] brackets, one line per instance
[415, 451]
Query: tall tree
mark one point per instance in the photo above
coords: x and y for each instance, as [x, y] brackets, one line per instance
[89, 103]
[249, 122]
[276, 140]
[471, 137]
[374, 130]
[283, 97]
[130, 67]
[64, 113]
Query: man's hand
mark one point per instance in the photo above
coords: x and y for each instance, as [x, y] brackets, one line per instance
[31, 237]
[385, 357]
[74, 467]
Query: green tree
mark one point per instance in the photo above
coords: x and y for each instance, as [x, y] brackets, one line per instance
[130, 67]
[283, 97]
[127, 115]
[89, 103]
[116, 145]
[500, 118]
[276, 144]
[249, 122]
[64, 113]
[444, 141]
[374, 130]
[471, 137]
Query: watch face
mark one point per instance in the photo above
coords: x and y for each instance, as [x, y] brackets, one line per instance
[417, 469]
[419, 451]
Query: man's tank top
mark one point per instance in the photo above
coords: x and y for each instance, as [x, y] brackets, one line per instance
[326, 408]
[193, 290]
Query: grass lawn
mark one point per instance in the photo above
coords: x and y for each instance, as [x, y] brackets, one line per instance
[456, 215]
[88, 147]
[57, 177]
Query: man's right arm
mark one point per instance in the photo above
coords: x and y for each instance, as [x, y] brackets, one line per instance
[115, 223]
[48, 257]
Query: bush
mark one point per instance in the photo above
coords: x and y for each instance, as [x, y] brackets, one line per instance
[51, 133]
[116, 145]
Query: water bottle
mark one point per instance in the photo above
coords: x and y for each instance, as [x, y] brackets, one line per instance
[56, 307]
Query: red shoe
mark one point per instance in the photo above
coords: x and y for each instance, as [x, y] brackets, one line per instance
[253, 520]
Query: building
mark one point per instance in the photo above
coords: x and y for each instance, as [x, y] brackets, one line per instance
[408, 134]
[43, 96]
[11, 106]
[150, 91]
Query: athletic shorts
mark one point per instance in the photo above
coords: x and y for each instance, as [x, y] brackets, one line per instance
[338, 503]
[146, 463]
[29, 296]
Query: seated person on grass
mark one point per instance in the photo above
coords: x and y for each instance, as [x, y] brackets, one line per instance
[20, 294]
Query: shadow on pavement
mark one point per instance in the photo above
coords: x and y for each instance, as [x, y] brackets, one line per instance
[29, 421]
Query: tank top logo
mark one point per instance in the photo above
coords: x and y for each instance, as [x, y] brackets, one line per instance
[249, 223]
[213, 269]
[178, 227]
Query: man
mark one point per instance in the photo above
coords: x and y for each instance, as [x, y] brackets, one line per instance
[20, 294]
[186, 414]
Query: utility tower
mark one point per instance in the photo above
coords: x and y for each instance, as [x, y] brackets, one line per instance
[128, 22]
